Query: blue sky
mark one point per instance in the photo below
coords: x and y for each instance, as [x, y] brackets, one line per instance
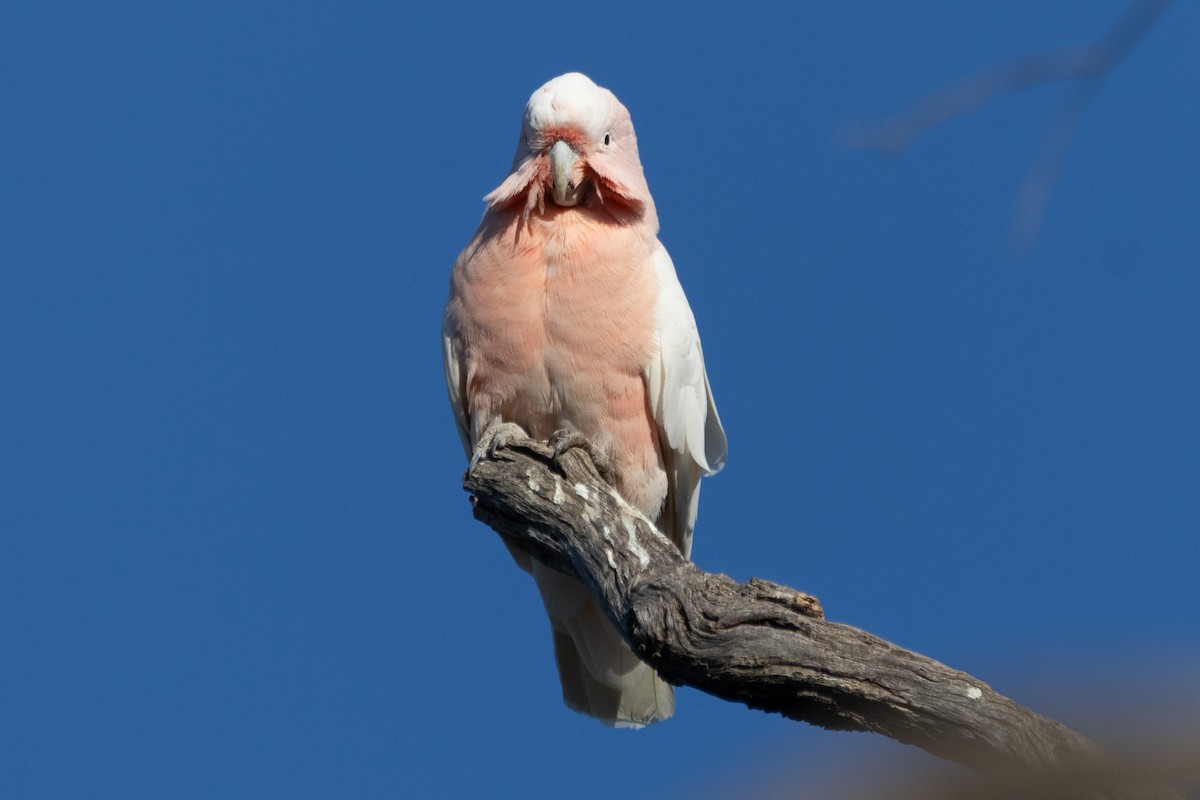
[235, 558]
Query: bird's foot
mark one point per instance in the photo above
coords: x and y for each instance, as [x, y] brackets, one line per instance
[493, 439]
[564, 440]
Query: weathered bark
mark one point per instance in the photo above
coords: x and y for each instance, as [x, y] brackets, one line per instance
[757, 643]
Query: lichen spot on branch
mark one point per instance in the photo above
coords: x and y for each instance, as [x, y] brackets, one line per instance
[635, 546]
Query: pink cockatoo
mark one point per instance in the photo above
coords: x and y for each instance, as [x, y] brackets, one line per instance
[565, 313]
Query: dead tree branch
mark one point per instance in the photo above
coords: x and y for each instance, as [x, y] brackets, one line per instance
[757, 643]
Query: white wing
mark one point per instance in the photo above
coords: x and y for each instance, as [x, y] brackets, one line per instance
[682, 403]
[451, 361]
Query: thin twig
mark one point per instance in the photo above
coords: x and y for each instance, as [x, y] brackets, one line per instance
[1086, 67]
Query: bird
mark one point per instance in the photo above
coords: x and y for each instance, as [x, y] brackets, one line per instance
[566, 313]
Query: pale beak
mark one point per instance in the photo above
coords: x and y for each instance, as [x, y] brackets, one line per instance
[564, 167]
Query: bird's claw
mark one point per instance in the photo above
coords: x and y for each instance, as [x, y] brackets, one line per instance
[495, 437]
[564, 440]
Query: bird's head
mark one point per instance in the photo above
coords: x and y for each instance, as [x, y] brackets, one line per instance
[577, 147]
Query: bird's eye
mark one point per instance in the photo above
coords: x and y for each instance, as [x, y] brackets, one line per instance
[607, 139]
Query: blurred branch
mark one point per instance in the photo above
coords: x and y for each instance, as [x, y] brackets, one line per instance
[757, 643]
[1085, 66]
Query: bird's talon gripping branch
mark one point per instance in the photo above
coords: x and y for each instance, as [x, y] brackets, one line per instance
[564, 440]
[493, 439]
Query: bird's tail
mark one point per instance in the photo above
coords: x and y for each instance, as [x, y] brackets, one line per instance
[600, 675]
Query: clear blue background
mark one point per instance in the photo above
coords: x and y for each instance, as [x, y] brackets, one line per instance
[235, 557]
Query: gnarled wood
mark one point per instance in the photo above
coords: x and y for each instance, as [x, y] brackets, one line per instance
[757, 643]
